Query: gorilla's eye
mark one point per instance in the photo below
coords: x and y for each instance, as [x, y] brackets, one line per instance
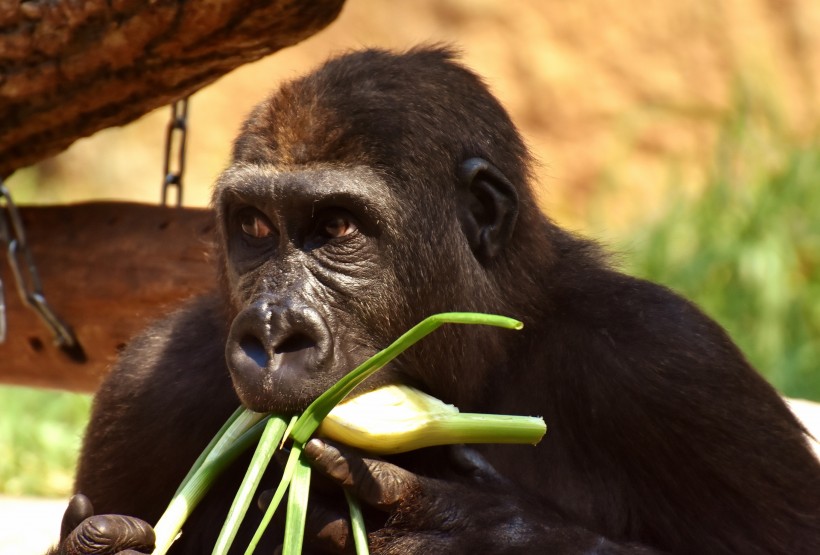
[254, 223]
[338, 224]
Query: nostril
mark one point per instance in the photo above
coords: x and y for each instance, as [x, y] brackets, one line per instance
[293, 343]
[253, 349]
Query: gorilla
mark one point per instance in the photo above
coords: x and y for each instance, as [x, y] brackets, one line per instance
[380, 189]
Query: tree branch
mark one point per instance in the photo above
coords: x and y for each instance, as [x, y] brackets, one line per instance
[69, 68]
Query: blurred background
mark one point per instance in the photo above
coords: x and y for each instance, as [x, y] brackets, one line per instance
[684, 136]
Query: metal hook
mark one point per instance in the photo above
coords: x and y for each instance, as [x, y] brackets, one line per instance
[29, 285]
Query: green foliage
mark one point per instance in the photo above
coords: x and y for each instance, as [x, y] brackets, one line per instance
[40, 434]
[747, 249]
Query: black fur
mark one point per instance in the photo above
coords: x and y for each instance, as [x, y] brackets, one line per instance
[661, 435]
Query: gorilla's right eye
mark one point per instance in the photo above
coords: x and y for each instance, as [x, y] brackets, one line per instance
[339, 225]
[254, 223]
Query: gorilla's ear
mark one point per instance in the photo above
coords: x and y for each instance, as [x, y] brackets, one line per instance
[488, 207]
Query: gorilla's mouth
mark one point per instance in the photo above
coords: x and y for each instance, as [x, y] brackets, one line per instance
[285, 380]
[279, 354]
[282, 355]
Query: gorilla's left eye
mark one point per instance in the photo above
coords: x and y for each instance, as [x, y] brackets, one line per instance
[339, 224]
[255, 224]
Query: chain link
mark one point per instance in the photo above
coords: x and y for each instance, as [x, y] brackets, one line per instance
[29, 285]
[175, 138]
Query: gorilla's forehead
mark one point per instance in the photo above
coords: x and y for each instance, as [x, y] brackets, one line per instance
[322, 184]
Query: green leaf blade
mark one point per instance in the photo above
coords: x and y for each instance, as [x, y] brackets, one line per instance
[271, 437]
[287, 475]
[243, 431]
[297, 509]
[320, 408]
[357, 525]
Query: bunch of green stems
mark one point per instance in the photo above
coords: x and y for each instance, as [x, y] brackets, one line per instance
[269, 432]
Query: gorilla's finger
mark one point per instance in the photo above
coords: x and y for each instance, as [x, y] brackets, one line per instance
[328, 531]
[110, 534]
[319, 483]
[374, 481]
[79, 508]
[264, 499]
[468, 461]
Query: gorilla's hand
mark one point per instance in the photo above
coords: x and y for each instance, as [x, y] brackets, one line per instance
[82, 533]
[475, 511]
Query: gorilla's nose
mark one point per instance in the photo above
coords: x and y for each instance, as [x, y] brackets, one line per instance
[273, 348]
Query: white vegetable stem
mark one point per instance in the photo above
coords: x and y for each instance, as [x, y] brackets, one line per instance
[399, 418]
[193, 488]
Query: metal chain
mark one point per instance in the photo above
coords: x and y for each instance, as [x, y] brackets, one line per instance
[29, 285]
[175, 150]
[13, 237]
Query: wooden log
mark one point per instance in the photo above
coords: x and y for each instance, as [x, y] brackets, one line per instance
[107, 270]
[68, 68]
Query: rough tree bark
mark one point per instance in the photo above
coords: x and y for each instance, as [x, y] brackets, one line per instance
[69, 68]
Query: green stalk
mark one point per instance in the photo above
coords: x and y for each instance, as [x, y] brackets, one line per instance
[319, 409]
[297, 508]
[357, 525]
[244, 421]
[194, 489]
[287, 474]
[271, 437]
[245, 427]
[465, 427]
[210, 447]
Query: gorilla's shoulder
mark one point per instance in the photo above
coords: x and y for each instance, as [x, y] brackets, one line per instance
[189, 339]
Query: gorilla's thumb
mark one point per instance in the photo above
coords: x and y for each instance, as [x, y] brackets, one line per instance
[109, 535]
[79, 508]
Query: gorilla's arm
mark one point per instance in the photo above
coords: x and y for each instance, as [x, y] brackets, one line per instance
[158, 408]
[656, 416]
[652, 411]
[155, 412]
[469, 508]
